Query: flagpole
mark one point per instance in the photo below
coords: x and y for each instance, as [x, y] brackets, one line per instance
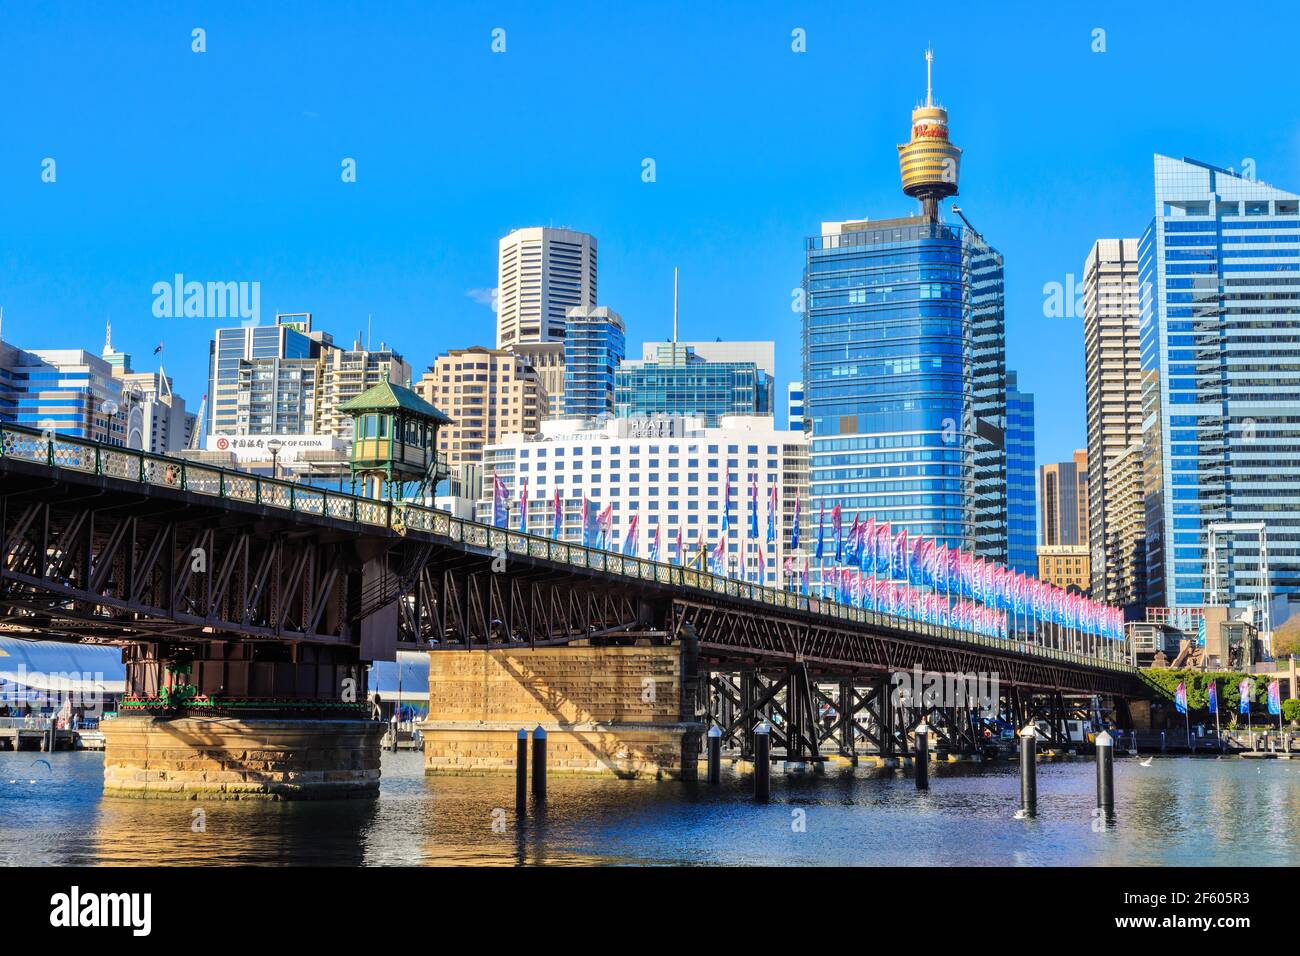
[1217, 735]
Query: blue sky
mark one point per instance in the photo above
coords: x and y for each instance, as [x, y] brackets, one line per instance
[225, 166]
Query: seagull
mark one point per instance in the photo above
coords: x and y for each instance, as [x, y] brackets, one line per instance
[1147, 762]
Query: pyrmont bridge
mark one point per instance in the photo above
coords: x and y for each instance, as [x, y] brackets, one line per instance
[248, 608]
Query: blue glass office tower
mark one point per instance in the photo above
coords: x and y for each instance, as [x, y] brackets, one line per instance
[677, 381]
[906, 426]
[594, 345]
[1219, 288]
[1022, 488]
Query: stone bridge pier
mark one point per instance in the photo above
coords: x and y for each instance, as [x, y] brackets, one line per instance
[625, 711]
[243, 721]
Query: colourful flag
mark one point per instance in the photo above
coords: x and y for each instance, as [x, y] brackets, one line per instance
[837, 529]
[726, 504]
[821, 529]
[753, 507]
[654, 545]
[771, 516]
[523, 508]
[557, 516]
[1274, 697]
[1180, 697]
[588, 522]
[500, 502]
[629, 540]
[794, 534]
[803, 579]
[1214, 696]
[717, 558]
[851, 555]
[679, 547]
[1247, 691]
[605, 527]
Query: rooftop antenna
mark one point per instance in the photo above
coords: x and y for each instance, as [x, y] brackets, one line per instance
[929, 60]
[108, 336]
[674, 305]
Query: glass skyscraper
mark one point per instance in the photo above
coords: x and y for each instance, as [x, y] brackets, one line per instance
[906, 426]
[594, 345]
[1022, 537]
[679, 382]
[1219, 287]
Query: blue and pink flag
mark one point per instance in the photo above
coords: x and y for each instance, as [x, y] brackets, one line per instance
[837, 529]
[654, 545]
[629, 540]
[679, 547]
[1247, 691]
[753, 507]
[771, 516]
[1213, 696]
[821, 529]
[1274, 697]
[726, 504]
[500, 502]
[794, 534]
[1180, 697]
[557, 516]
[523, 508]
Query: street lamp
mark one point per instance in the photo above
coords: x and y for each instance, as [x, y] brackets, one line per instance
[274, 446]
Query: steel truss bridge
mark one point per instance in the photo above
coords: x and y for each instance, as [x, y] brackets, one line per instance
[263, 594]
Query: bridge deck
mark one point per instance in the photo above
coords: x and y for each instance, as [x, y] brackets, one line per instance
[30, 462]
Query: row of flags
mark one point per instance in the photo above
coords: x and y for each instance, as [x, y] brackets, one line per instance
[597, 523]
[1246, 690]
[876, 549]
[936, 583]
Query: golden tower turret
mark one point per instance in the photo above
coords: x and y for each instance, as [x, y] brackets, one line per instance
[929, 163]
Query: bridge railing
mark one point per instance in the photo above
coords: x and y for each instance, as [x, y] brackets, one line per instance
[77, 454]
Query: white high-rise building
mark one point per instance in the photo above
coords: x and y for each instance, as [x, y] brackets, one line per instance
[1113, 367]
[542, 273]
[671, 473]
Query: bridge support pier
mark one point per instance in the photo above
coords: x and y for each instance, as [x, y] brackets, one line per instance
[625, 711]
[231, 758]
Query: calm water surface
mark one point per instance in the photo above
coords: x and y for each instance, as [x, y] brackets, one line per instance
[1178, 811]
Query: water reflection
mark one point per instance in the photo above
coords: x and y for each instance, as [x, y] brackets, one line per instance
[1178, 811]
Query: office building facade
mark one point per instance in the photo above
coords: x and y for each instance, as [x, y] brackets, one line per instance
[542, 273]
[680, 381]
[1063, 497]
[1022, 535]
[1219, 275]
[489, 394]
[1113, 390]
[594, 345]
[890, 379]
[670, 472]
[345, 374]
[291, 339]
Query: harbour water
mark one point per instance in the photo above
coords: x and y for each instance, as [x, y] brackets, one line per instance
[1177, 811]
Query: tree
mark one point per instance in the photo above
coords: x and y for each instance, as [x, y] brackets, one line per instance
[1286, 639]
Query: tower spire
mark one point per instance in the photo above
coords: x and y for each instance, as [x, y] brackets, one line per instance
[108, 336]
[929, 61]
